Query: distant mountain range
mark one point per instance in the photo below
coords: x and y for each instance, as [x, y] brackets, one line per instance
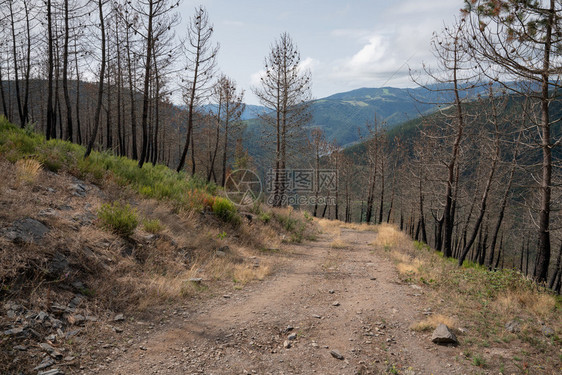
[344, 116]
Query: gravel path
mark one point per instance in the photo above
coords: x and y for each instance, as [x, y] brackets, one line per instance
[326, 311]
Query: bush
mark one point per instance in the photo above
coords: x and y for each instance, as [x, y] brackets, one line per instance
[152, 226]
[265, 217]
[118, 218]
[226, 210]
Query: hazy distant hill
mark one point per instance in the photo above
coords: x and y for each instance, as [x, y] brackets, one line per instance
[251, 111]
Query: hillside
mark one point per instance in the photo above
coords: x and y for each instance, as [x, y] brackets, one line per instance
[111, 269]
[83, 242]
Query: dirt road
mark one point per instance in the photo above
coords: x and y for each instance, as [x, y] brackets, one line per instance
[348, 300]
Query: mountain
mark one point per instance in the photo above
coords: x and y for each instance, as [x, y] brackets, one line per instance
[250, 112]
[345, 115]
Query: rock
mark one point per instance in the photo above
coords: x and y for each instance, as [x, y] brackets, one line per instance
[292, 337]
[75, 302]
[51, 351]
[224, 249]
[14, 307]
[78, 189]
[337, 355]
[13, 331]
[373, 278]
[331, 291]
[26, 230]
[513, 326]
[289, 328]
[316, 316]
[51, 338]
[47, 362]
[49, 212]
[196, 280]
[42, 316]
[85, 219]
[79, 319]
[119, 318]
[443, 335]
[336, 303]
[78, 285]
[58, 265]
[547, 331]
[72, 333]
[287, 344]
[315, 345]
[54, 371]
[220, 254]
[59, 309]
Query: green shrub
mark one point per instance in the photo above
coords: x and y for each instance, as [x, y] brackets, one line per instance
[265, 217]
[226, 210]
[287, 221]
[152, 181]
[152, 226]
[118, 218]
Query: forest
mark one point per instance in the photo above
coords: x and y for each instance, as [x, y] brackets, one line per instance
[478, 178]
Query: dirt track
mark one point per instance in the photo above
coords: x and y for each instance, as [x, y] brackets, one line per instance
[244, 331]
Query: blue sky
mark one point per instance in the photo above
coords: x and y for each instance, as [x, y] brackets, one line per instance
[346, 44]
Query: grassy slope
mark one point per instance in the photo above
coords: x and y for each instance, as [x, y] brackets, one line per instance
[133, 241]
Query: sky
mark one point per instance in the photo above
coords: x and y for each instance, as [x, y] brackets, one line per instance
[346, 44]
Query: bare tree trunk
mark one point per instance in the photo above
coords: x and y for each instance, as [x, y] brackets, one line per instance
[4, 107]
[557, 269]
[543, 251]
[50, 115]
[68, 133]
[146, 93]
[78, 125]
[100, 86]
[16, 64]
[135, 155]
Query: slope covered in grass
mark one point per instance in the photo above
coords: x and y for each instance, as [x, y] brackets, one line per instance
[90, 238]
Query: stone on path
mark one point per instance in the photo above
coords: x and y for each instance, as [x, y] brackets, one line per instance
[337, 355]
[443, 335]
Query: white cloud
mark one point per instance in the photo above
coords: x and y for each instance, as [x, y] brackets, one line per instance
[255, 78]
[309, 63]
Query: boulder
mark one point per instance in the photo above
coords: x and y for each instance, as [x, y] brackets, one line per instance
[26, 230]
[443, 335]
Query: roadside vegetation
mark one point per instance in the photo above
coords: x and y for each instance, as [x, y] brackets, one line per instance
[504, 320]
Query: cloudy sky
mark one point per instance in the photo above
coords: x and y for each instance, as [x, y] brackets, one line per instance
[347, 44]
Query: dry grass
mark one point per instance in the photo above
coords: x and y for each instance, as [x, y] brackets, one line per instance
[245, 273]
[338, 243]
[432, 321]
[513, 302]
[389, 237]
[27, 171]
[359, 227]
[329, 227]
